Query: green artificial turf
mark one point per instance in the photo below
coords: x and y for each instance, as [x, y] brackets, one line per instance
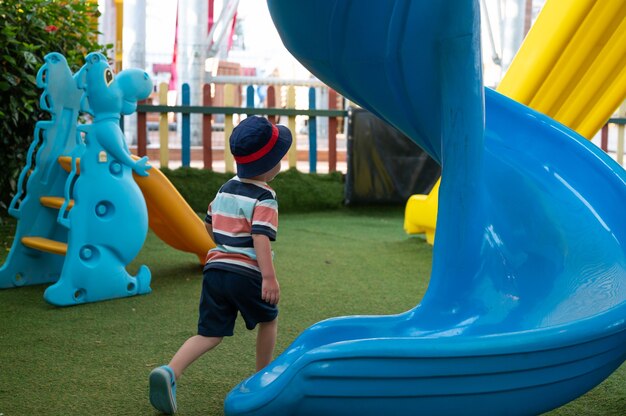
[94, 359]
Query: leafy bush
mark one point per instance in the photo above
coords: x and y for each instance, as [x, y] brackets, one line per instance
[197, 186]
[30, 30]
[303, 192]
[297, 192]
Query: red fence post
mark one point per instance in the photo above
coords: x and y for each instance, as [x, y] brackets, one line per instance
[207, 129]
[142, 135]
[271, 102]
[604, 138]
[332, 132]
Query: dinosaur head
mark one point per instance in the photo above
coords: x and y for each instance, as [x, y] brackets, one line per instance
[108, 93]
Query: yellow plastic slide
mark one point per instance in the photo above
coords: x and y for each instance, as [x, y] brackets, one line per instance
[171, 218]
[571, 67]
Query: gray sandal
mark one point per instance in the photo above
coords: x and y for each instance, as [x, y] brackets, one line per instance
[163, 389]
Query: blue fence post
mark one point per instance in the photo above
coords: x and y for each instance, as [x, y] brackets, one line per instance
[250, 97]
[186, 132]
[312, 134]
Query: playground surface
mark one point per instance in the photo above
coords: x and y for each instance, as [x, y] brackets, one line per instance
[98, 356]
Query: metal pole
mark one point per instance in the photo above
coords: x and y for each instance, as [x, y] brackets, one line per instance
[192, 28]
[246, 80]
[512, 30]
[135, 52]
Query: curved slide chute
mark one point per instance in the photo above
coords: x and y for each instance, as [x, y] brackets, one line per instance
[571, 67]
[527, 296]
[171, 218]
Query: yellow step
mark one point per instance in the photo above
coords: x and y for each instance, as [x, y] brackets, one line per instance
[66, 163]
[55, 202]
[45, 244]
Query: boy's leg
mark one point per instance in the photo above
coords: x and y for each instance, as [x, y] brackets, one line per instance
[265, 342]
[163, 379]
[190, 351]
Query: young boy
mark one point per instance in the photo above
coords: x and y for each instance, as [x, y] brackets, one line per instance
[239, 273]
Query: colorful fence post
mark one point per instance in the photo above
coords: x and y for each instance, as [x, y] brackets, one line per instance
[142, 134]
[291, 123]
[163, 127]
[604, 138]
[229, 101]
[620, 144]
[186, 128]
[332, 132]
[312, 134]
[250, 96]
[271, 102]
[621, 112]
[207, 129]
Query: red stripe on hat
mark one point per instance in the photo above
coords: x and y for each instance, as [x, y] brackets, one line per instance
[262, 151]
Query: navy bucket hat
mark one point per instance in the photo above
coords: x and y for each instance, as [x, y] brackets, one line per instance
[258, 145]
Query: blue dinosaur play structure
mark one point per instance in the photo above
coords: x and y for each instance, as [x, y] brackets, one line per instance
[81, 216]
[526, 306]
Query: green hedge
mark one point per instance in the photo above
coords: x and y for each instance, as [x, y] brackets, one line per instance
[297, 192]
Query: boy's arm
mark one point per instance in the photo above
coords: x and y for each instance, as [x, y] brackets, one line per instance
[208, 221]
[209, 229]
[270, 290]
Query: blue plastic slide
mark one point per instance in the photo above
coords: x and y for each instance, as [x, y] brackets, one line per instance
[526, 307]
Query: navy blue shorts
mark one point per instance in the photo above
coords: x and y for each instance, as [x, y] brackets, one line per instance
[225, 293]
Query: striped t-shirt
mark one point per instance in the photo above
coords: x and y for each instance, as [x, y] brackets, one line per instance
[242, 207]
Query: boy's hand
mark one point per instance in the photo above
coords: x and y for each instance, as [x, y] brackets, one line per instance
[270, 290]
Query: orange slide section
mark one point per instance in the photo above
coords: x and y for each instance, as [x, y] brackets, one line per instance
[171, 218]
